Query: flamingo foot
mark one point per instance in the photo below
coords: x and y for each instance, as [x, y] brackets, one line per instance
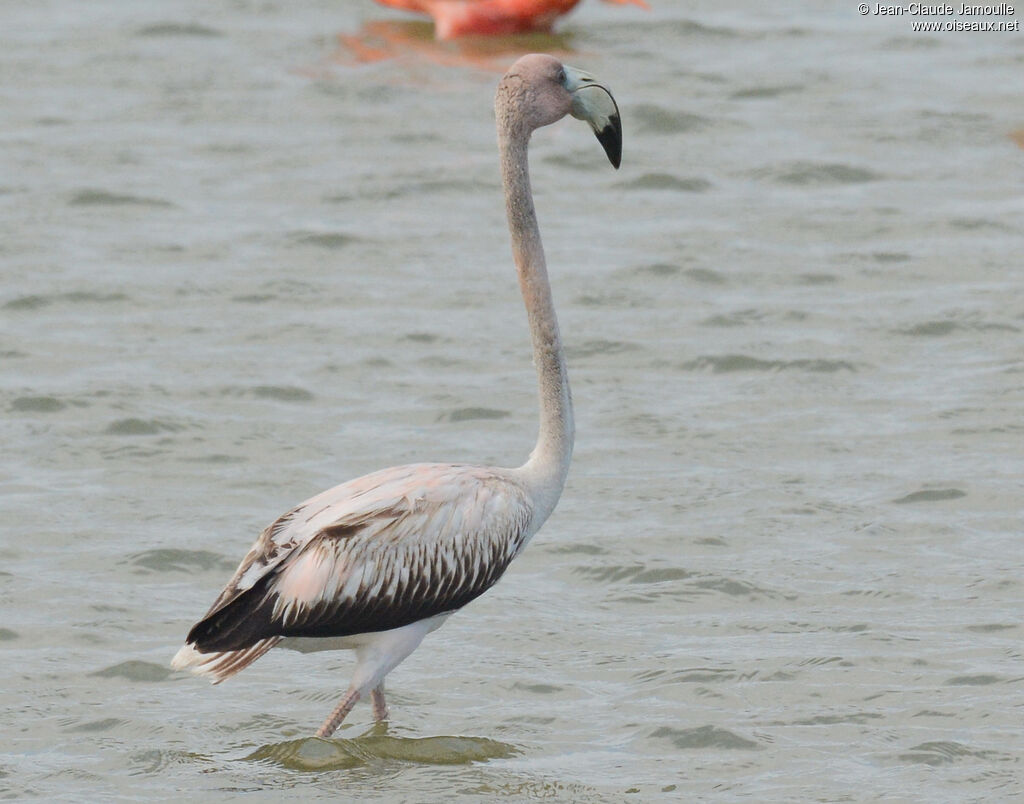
[380, 707]
[338, 715]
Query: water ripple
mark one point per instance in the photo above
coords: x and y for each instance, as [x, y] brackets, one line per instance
[930, 495]
[169, 559]
[704, 737]
[674, 582]
[37, 404]
[599, 347]
[942, 752]
[667, 181]
[140, 427]
[135, 670]
[722, 364]
[277, 393]
[178, 29]
[763, 92]
[95, 726]
[38, 301]
[471, 414]
[800, 174]
[655, 119]
[104, 198]
[980, 680]
[326, 240]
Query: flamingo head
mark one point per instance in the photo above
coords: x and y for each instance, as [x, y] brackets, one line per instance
[539, 90]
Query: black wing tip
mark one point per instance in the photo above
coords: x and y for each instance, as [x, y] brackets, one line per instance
[610, 138]
[237, 624]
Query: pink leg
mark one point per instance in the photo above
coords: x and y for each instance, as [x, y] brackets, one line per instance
[339, 713]
[380, 707]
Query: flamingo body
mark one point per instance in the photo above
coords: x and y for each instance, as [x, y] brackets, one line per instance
[375, 564]
[454, 18]
[383, 551]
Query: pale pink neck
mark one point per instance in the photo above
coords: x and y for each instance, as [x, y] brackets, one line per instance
[549, 462]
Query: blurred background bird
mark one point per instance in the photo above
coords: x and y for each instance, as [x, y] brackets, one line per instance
[454, 18]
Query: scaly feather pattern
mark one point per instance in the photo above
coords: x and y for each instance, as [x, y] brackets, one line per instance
[380, 552]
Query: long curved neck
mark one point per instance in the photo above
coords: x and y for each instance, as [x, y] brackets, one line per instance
[548, 464]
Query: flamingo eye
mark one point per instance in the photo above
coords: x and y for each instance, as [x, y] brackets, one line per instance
[561, 75]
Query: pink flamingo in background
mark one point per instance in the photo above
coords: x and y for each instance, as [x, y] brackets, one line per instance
[454, 18]
[375, 564]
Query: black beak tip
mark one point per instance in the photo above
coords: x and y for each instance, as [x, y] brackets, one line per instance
[610, 138]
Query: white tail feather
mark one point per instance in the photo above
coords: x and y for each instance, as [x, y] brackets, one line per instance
[220, 665]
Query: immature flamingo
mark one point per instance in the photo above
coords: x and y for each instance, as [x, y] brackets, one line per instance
[375, 564]
[454, 18]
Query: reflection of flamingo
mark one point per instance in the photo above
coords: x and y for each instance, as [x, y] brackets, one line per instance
[375, 564]
[492, 17]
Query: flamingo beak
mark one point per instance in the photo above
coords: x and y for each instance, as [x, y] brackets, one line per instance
[594, 103]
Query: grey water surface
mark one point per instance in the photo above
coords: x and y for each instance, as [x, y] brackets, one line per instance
[250, 250]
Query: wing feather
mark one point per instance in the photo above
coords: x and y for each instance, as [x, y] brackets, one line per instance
[378, 553]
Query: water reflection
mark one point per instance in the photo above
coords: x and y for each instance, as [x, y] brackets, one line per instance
[316, 754]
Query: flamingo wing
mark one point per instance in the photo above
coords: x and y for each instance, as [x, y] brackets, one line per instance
[380, 552]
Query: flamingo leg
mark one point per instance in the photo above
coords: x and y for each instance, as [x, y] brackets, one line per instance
[339, 713]
[380, 707]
